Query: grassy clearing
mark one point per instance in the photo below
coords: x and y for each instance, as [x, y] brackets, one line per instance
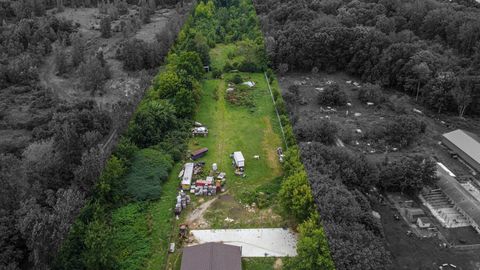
[254, 131]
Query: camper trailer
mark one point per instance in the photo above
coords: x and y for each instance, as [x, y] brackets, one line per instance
[239, 160]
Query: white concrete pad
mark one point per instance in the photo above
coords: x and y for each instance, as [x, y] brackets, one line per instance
[274, 242]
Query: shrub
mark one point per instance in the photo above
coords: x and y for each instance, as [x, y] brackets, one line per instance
[216, 74]
[237, 79]
[149, 170]
[332, 96]
[318, 130]
[371, 93]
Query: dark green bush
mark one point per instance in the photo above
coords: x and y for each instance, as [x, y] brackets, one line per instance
[149, 170]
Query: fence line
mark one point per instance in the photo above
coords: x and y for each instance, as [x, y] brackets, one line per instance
[276, 110]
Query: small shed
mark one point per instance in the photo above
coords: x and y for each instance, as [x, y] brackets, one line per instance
[413, 214]
[212, 256]
[239, 159]
[199, 153]
[424, 222]
[187, 176]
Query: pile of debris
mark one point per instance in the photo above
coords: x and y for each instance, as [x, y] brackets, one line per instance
[199, 130]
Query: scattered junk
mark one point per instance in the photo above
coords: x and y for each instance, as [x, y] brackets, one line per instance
[320, 89]
[249, 84]
[214, 167]
[356, 84]
[230, 89]
[256, 157]
[329, 82]
[171, 249]
[357, 114]
[370, 103]
[359, 131]
[221, 176]
[417, 111]
[375, 214]
[198, 167]
[183, 231]
[349, 82]
[198, 124]
[239, 162]
[280, 154]
[229, 220]
[187, 175]
[349, 104]
[199, 153]
[182, 201]
[200, 131]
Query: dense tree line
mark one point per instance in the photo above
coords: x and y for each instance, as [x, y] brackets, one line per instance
[426, 49]
[46, 182]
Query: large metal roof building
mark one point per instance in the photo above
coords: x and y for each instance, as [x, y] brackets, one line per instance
[466, 145]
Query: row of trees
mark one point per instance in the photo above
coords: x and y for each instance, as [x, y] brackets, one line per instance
[156, 136]
[411, 46]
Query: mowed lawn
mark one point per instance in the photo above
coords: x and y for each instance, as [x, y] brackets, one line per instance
[237, 128]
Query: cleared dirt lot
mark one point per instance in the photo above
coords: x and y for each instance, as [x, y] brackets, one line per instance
[407, 252]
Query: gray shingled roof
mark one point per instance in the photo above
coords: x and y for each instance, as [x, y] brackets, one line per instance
[467, 142]
[212, 256]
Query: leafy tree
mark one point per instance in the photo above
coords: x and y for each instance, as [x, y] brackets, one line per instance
[186, 64]
[404, 129]
[106, 27]
[296, 197]
[152, 121]
[184, 103]
[94, 74]
[312, 247]
[78, 50]
[462, 94]
[409, 174]
[167, 84]
[61, 61]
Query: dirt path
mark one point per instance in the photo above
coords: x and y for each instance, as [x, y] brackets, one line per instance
[195, 219]
[222, 122]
